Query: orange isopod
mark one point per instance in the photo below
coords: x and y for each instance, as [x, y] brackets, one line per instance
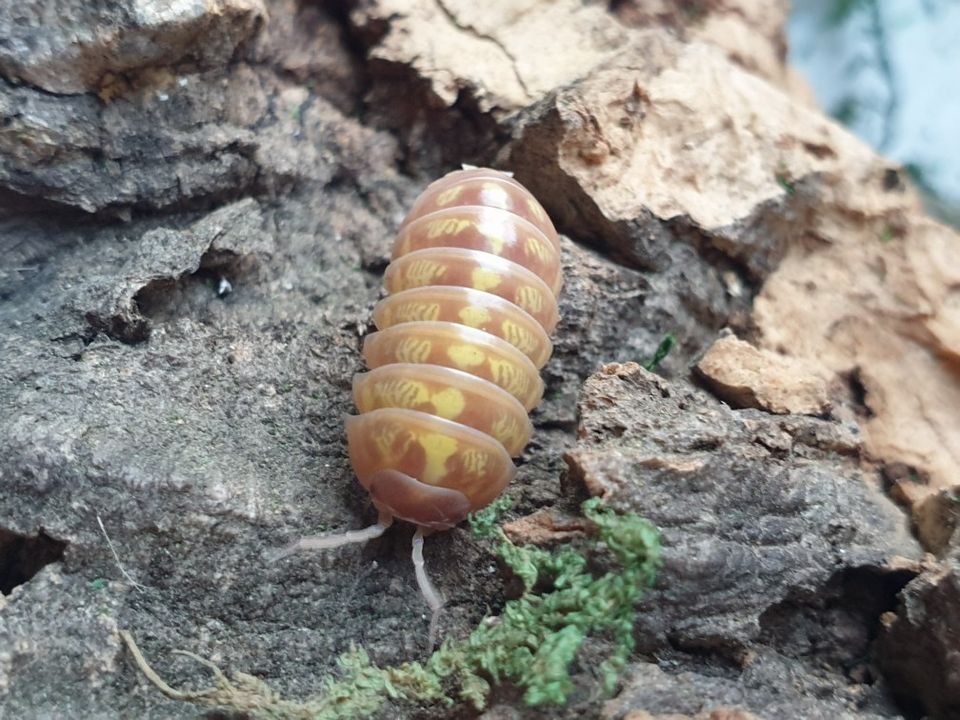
[472, 299]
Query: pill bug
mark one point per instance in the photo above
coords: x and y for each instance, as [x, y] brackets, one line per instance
[454, 364]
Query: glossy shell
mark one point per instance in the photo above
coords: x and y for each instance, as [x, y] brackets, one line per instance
[472, 298]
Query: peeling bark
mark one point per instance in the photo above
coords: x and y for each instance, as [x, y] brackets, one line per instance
[148, 158]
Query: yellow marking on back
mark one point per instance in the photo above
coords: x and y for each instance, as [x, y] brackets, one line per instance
[413, 350]
[510, 377]
[466, 356]
[424, 272]
[490, 229]
[494, 193]
[475, 462]
[447, 226]
[518, 336]
[448, 403]
[401, 393]
[483, 279]
[386, 442]
[449, 195]
[437, 448]
[505, 429]
[535, 209]
[530, 299]
[533, 247]
[414, 311]
[474, 316]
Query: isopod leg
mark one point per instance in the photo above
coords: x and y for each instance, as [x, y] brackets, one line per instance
[429, 592]
[326, 542]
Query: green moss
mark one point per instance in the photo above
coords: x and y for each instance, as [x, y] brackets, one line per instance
[660, 354]
[532, 644]
[784, 182]
[484, 523]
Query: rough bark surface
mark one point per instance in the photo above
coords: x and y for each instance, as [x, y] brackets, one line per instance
[769, 688]
[66, 47]
[769, 530]
[678, 162]
[197, 200]
[744, 376]
[919, 649]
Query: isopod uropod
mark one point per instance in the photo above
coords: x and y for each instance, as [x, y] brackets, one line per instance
[454, 365]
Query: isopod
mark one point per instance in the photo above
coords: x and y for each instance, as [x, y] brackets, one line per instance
[454, 364]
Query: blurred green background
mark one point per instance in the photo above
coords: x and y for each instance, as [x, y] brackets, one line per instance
[890, 71]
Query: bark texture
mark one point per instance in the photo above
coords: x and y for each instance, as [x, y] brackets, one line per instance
[197, 201]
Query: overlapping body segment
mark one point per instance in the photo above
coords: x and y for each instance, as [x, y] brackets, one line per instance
[459, 347]
[473, 308]
[481, 187]
[436, 453]
[489, 230]
[447, 393]
[479, 271]
[472, 297]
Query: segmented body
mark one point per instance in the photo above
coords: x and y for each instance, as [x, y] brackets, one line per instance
[455, 362]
